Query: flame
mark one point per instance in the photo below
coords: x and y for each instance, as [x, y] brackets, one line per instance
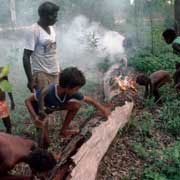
[126, 83]
[121, 84]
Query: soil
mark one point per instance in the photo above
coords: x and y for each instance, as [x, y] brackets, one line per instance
[120, 160]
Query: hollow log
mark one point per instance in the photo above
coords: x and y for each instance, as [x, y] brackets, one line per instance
[87, 159]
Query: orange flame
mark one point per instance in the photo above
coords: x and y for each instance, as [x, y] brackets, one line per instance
[121, 84]
[126, 83]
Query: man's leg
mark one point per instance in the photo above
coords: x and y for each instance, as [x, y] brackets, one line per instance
[157, 96]
[72, 108]
[7, 124]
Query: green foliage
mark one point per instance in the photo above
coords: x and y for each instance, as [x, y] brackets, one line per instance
[170, 115]
[145, 124]
[139, 150]
[151, 175]
[166, 167]
[86, 112]
[149, 103]
[149, 63]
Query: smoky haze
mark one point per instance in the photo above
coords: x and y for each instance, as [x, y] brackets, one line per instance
[83, 37]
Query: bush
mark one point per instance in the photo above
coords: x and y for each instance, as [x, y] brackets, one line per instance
[149, 63]
[166, 167]
[169, 115]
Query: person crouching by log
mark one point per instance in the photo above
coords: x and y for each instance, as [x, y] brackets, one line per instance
[153, 82]
[15, 149]
[5, 87]
[62, 96]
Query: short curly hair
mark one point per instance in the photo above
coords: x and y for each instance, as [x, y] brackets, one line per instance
[41, 160]
[143, 80]
[71, 77]
[169, 34]
[46, 8]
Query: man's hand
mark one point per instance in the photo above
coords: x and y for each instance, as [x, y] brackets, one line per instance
[106, 112]
[30, 86]
[38, 123]
[42, 115]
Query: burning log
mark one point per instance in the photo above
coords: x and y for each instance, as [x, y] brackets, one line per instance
[81, 157]
[126, 83]
[115, 83]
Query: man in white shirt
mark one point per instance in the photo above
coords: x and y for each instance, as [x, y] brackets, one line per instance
[39, 58]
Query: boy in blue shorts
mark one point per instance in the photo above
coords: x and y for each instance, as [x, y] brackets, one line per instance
[62, 96]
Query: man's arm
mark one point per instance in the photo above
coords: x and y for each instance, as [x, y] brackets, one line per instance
[99, 106]
[43, 93]
[151, 88]
[10, 95]
[176, 47]
[38, 123]
[146, 91]
[12, 101]
[27, 67]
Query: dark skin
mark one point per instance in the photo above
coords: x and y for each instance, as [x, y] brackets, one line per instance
[154, 81]
[45, 21]
[145, 81]
[13, 150]
[71, 107]
[7, 120]
[176, 48]
[176, 76]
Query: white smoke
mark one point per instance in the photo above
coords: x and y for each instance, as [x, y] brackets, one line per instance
[84, 44]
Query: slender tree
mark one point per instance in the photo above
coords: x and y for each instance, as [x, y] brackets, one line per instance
[13, 12]
[177, 16]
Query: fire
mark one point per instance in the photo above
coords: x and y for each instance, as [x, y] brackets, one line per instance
[126, 83]
[121, 84]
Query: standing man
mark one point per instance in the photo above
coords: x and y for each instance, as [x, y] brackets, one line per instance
[39, 59]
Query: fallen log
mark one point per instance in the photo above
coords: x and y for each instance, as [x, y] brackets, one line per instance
[61, 171]
[90, 154]
[83, 153]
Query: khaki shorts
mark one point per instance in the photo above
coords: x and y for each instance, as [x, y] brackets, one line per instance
[41, 79]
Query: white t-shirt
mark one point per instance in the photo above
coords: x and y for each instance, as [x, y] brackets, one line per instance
[43, 45]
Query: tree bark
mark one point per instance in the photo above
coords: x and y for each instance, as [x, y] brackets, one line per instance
[90, 154]
[177, 16]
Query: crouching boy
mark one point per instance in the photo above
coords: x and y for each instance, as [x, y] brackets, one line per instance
[153, 83]
[62, 96]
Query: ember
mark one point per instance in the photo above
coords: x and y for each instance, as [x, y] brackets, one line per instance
[120, 83]
[126, 83]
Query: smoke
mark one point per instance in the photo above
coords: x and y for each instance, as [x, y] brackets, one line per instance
[83, 40]
[84, 44]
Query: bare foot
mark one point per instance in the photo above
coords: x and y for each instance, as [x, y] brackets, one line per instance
[69, 132]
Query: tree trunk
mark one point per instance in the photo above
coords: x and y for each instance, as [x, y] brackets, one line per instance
[13, 12]
[139, 21]
[177, 16]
